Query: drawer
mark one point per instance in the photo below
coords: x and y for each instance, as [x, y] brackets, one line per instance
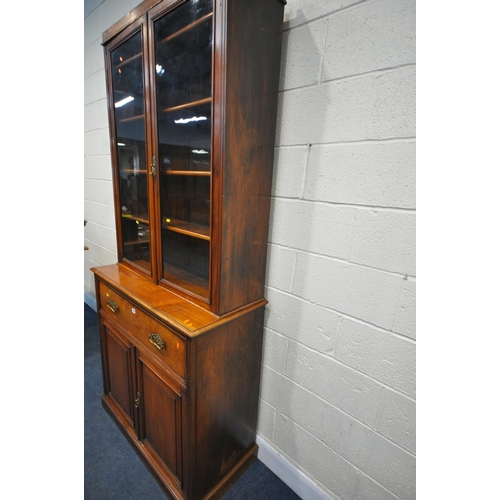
[162, 341]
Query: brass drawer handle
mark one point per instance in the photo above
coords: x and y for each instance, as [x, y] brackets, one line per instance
[157, 341]
[113, 306]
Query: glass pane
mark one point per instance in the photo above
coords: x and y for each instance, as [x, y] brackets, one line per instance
[184, 64]
[128, 95]
[187, 198]
[182, 17]
[184, 138]
[185, 262]
[183, 48]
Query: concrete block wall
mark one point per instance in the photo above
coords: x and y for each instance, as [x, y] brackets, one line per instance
[338, 376]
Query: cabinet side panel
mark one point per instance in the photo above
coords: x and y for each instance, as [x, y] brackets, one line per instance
[228, 379]
[253, 48]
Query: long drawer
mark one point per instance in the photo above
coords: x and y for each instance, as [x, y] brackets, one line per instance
[153, 335]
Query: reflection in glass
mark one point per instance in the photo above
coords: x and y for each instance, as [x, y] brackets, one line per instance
[128, 97]
[183, 48]
[184, 138]
[182, 18]
[184, 65]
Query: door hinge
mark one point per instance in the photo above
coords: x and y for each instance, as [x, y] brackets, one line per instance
[137, 402]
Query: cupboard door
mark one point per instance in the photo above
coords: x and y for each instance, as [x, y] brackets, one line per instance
[129, 135]
[183, 89]
[118, 372]
[160, 414]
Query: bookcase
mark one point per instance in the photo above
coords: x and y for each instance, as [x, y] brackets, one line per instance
[192, 91]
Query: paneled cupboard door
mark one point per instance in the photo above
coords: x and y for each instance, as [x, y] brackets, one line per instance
[183, 90]
[148, 400]
[160, 418]
[119, 372]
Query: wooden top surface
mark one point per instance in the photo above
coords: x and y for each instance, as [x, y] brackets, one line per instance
[188, 318]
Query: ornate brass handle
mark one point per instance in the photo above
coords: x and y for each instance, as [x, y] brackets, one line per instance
[113, 306]
[157, 341]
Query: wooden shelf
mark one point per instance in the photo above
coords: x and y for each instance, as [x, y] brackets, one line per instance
[185, 279]
[127, 61]
[136, 242]
[187, 105]
[140, 218]
[193, 229]
[144, 264]
[131, 119]
[187, 28]
[194, 173]
[132, 171]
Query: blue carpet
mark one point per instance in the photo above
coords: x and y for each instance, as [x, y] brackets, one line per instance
[112, 468]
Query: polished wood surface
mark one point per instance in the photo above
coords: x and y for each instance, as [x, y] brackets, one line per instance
[132, 16]
[186, 316]
[161, 418]
[227, 373]
[249, 61]
[141, 326]
[118, 369]
[197, 434]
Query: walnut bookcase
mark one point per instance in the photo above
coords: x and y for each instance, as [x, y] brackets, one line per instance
[192, 99]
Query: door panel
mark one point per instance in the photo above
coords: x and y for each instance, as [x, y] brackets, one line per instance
[183, 88]
[119, 371]
[128, 112]
[161, 417]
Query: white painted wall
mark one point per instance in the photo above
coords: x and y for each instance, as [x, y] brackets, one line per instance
[338, 377]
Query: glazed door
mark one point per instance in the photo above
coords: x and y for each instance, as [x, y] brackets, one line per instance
[181, 45]
[133, 162]
[160, 418]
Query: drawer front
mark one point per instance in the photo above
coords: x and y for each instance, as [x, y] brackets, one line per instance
[156, 337]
